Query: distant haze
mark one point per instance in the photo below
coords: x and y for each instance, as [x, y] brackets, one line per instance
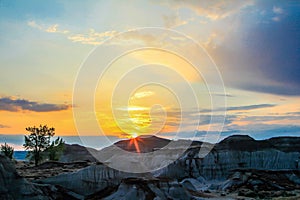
[99, 142]
[96, 142]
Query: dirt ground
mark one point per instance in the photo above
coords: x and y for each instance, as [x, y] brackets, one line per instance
[47, 169]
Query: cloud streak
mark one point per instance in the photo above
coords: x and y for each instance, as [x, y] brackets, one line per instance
[16, 105]
[144, 94]
[50, 29]
[172, 21]
[250, 107]
[92, 37]
[240, 108]
[213, 10]
[4, 126]
[277, 10]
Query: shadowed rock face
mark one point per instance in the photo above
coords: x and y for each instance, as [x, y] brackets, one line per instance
[285, 144]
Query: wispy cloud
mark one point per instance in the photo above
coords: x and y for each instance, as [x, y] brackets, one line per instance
[54, 29]
[250, 107]
[144, 94]
[277, 10]
[33, 24]
[92, 37]
[213, 10]
[50, 29]
[293, 113]
[15, 105]
[276, 19]
[4, 126]
[269, 118]
[223, 95]
[240, 108]
[171, 21]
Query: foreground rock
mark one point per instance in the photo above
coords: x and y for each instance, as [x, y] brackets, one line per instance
[100, 182]
[140, 188]
[263, 183]
[13, 186]
[88, 180]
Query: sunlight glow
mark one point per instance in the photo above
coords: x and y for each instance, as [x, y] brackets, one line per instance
[133, 108]
[134, 135]
[134, 141]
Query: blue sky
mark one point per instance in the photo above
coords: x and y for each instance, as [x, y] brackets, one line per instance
[255, 45]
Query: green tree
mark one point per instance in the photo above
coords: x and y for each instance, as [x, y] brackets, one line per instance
[7, 150]
[56, 148]
[38, 140]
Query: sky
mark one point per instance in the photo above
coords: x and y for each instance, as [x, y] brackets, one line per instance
[243, 73]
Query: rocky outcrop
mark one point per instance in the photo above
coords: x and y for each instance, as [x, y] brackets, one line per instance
[101, 182]
[13, 186]
[75, 152]
[237, 152]
[234, 162]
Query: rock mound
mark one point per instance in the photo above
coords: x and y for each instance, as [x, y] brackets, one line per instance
[76, 152]
[143, 144]
[242, 143]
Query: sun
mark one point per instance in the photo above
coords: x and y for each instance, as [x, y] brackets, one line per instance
[134, 135]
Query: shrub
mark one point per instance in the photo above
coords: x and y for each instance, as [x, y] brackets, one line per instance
[7, 150]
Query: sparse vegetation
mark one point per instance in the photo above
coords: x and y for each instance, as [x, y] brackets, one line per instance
[7, 150]
[55, 150]
[38, 141]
